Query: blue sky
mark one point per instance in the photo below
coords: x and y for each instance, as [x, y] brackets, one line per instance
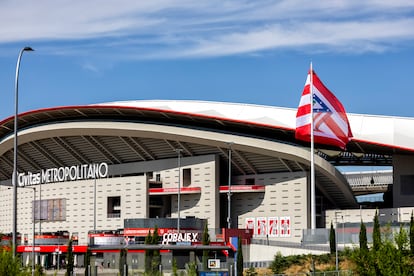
[255, 52]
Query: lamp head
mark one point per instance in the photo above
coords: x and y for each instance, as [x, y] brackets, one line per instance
[29, 49]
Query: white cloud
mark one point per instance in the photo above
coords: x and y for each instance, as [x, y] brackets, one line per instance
[168, 29]
[90, 67]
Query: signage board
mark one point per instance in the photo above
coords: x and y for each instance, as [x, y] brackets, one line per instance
[213, 263]
[63, 174]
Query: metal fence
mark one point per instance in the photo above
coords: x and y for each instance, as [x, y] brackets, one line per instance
[320, 273]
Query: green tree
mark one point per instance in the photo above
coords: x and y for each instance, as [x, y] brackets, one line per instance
[412, 233]
[148, 253]
[11, 265]
[376, 240]
[174, 267]
[156, 257]
[376, 233]
[332, 239]
[391, 257]
[39, 270]
[281, 263]
[192, 269]
[152, 256]
[364, 266]
[391, 260]
[361, 256]
[87, 261]
[205, 240]
[122, 260]
[69, 266]
[278, 264]
[401, 240]
[363, 242]
[251, 271]
[239, 263]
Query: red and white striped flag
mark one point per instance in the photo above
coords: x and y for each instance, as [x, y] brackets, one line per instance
[330, 123]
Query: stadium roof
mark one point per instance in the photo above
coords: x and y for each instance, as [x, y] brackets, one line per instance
[133, 131]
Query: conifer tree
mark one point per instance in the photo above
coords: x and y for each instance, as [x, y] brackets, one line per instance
[122, 261]
[148, 253]
[376, 233]
[239, 263]
[205, 241]
[152, 256]
[11, 265]
[87, 261]
[156, 257]
[332, 239]
[412, 233]
[174, 267]
[70, 260]
[363, 243]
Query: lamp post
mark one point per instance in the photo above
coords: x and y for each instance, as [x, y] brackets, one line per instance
[40, 208]
[336, 244]
[14, 177]
[58, 254]
[229, 191]
[179, 188]
[33, 227]
[343, 232]
[336, 241]
[94, 204]
[34, 242]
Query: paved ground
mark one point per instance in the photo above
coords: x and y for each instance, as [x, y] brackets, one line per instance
[81, 271]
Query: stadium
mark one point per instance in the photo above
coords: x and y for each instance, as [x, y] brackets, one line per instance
[103, 175]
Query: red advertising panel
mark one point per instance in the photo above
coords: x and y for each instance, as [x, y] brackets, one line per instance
[249, 223]
[273, 226]
[285, 225]
[261, 225]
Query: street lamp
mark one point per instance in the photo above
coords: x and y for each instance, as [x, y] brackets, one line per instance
[179, 188]
[94, 205]
[34, 242]
[229, 191]
[336, 244]
[14, 177]
[40, 208]
[343, 232]
[33, 227]
[336, 241]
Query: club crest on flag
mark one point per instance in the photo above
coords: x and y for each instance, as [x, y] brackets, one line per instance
[319, 105]
[329, 120]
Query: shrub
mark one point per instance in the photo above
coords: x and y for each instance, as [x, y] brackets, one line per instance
[281, 263]
[192, 269]
[11, 265]
[251, 271]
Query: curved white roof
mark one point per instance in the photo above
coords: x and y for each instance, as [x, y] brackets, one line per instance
[383, 130]
[129, 132]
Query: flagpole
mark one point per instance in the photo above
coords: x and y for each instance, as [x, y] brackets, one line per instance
[313, 213]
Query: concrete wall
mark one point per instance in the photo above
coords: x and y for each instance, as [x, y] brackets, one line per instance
[403, 169]
[204, 174]
[79, 197]
[385, 215]
[265, 253]
[132, 190]
[6, 211]
[285, 196]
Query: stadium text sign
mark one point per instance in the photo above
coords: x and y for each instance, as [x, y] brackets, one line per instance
[62, 174]
[179, 237]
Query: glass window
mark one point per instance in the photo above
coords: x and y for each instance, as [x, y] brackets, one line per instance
[114, 207]
[50, 209]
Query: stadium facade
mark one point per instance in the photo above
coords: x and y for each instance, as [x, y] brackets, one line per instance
[97, 168]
